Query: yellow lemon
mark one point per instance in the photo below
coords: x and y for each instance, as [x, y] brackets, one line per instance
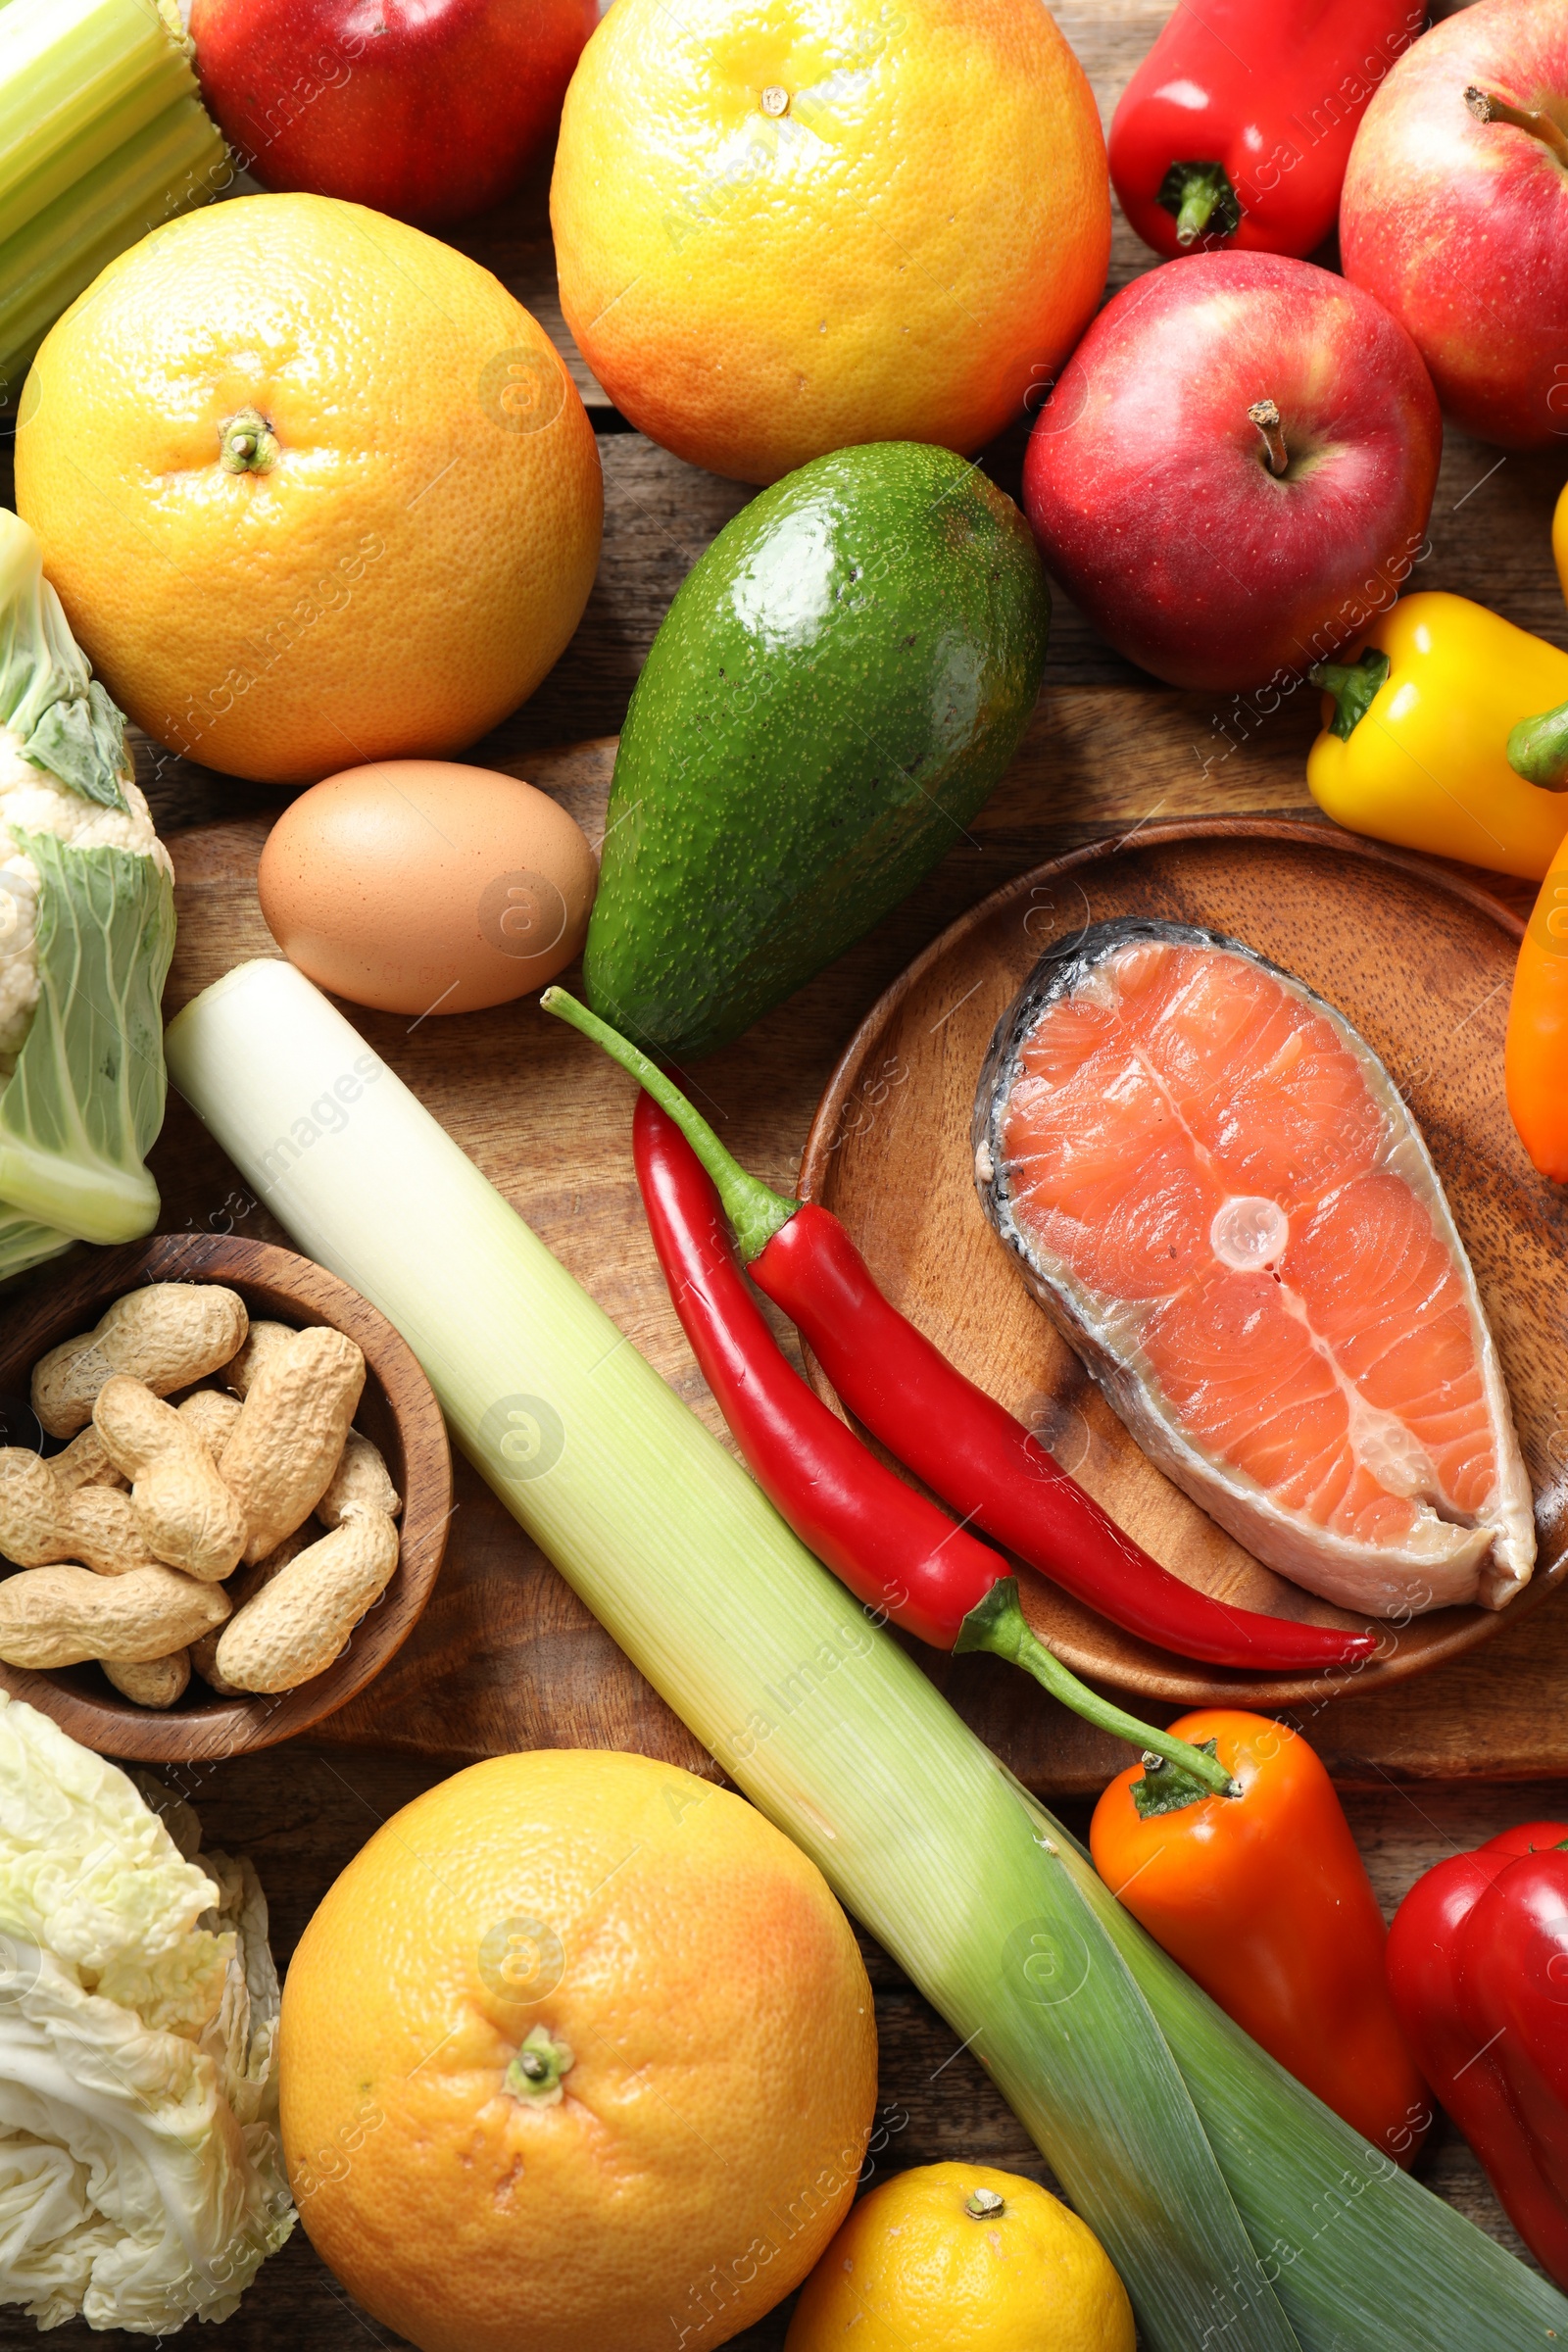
[313, 488]
[579, 2055]
[786, 225]
[964, 2258]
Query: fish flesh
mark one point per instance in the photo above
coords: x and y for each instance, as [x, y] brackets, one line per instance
[1218, 1195]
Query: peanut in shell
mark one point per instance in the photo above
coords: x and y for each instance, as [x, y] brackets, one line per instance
[42, 1521]
[166, 1335]
[298, 1625]
[290, 1435]
[60, 1615]
[186, 1514]
[150, 1681]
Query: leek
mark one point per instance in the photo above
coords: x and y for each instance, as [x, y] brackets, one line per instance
[102, 138]
[1165, 2124]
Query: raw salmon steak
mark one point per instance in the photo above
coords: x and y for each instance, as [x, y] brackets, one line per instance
[1218, 1195]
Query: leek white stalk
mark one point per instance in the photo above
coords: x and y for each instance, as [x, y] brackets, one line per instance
[829, 1728]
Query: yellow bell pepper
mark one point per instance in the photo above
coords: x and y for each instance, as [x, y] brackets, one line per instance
[1448, 732]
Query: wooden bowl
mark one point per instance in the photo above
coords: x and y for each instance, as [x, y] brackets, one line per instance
[1419, 959]
[398, 1411]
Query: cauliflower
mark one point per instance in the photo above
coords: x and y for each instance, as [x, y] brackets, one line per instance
[33, 802]
[140, 2176]
[87, 932]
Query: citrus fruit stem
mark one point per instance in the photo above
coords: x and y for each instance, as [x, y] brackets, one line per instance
[247, 443]
[535, 2074]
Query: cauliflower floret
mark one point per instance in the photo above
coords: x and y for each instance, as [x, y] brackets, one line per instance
[32, 801]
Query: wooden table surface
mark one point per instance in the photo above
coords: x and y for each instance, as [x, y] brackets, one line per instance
[505, 1656]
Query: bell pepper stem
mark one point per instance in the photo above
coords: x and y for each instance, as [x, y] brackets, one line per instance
[997, 1624]
[1197, 194]
[1353, 686]
[1537, 748]
[1487, 107]
[754, 1212]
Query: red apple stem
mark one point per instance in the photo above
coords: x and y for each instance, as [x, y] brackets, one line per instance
[1487, 106]
[1266, 417]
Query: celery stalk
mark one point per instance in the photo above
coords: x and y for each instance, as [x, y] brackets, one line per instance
[174, 163]
[102, 138]
[77, 77]
[1160, 2117]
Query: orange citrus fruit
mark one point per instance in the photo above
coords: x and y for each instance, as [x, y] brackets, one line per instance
[313, 488]
[973, 2260]
[577, 2053]
[786, 225]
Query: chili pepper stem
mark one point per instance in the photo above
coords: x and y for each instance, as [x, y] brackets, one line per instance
[997, 1624]
[754, 1212]
[1537, 748]
[1487, 107]
[1353, 686]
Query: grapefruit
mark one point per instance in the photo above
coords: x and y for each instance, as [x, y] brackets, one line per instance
[786, 225]
[579, 2052]
[314, 489]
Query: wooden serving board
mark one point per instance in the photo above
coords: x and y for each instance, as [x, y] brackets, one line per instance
[1420, 962]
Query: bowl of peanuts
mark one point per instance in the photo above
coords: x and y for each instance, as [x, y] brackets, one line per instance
[234, 1504]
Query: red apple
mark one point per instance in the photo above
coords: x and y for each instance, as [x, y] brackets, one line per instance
[1455, 214]
[426, 109]
[1210, 543]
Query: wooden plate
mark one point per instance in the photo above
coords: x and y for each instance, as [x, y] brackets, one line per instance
[398, 1412]
[1420, 961]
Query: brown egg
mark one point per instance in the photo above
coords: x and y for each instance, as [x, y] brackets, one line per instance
[420, 886]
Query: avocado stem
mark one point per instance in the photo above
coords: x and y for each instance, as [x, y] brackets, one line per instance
[1266, 417]
[1354, 685]
[1537, 748]
[754, 1212]
[1487, 107]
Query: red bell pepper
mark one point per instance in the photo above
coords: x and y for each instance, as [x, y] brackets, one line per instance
[1478, 1969]
[1237, 127]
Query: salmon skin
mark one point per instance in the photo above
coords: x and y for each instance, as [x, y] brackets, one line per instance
[1218, 1195]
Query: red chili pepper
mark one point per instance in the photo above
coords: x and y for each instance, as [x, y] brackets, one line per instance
[1478, 1969]
[964, 1444]
[894, 1550]
[1237, 127]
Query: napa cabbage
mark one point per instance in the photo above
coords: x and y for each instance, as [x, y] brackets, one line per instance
[142, 2183]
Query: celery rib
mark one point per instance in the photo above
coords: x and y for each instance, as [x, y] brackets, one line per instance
[64, 66]
[174, 163]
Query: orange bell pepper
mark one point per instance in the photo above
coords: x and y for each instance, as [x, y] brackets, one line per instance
[1536, 1058]
[1263, 1899]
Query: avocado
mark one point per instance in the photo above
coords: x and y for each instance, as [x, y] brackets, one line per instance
[839, 684]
